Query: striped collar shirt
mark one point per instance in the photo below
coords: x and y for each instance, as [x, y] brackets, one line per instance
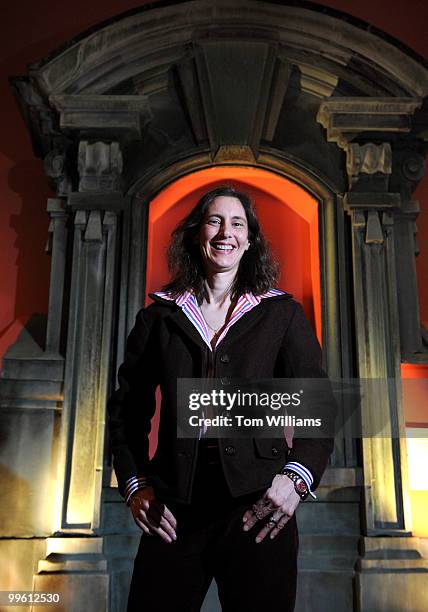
[190, 307]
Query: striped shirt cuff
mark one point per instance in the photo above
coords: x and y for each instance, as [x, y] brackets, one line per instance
[304, 473]
[134, 484]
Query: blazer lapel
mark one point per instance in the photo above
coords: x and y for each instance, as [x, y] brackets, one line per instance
[243, 325]
[179, 319]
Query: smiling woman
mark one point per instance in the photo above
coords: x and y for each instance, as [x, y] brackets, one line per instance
[215, 508]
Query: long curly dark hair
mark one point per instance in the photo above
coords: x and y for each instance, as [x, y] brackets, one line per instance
[257, 272]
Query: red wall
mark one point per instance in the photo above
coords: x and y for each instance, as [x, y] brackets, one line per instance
[30, 31]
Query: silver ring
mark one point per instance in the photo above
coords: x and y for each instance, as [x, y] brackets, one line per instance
[272, 521]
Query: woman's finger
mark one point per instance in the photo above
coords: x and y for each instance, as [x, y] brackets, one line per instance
[259, 511]
[163, 534]
[144, 522]
[280, 525]
[271, 524]
[157, 511]
[156, 523]
[274, 525]
[141, 525]
[247, 515]
[167, 527]
[170, 517]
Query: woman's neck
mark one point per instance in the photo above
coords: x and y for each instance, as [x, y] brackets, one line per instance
[218, 287]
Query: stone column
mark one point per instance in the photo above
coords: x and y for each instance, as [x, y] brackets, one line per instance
[95, 209]
[75, 566]
[374, 210]
[101, 128]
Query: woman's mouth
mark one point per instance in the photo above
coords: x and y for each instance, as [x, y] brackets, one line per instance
[224, 248]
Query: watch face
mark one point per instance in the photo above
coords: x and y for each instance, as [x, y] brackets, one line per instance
[301, 487]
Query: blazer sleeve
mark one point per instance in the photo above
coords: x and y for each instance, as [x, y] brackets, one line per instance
[132, 405]
[301, 357]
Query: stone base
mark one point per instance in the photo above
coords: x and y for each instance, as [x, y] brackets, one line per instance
[78, 591]
[404, 591]
[18, 562]
[392, 576]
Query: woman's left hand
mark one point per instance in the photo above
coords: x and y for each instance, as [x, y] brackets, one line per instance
[280, 500]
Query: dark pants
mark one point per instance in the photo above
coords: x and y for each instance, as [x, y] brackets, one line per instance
[211, 543]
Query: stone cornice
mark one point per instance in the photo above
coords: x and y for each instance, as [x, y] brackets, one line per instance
[347, 118]
[121, 117]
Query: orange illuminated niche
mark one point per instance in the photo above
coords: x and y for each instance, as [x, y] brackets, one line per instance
[288, 217]
[287, 213]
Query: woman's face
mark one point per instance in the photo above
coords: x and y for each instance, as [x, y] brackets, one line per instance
[223, 236]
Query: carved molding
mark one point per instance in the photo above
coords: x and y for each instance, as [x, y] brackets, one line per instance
[134, 47]
[233, 154]
[100, 166]
[106, 117]
[347, 118]
[368, 159]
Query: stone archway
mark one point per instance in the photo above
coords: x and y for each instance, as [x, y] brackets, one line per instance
[164, 91]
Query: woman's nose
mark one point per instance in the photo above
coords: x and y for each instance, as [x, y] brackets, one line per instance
[225, 230]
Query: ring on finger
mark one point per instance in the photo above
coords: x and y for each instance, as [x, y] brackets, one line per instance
[282, 523]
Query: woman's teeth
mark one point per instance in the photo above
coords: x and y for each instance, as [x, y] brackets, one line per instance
[223, 247]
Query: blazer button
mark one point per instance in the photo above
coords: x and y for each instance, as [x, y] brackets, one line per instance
[275, 451]
[230, 450]
[225, 381]
[224, 359]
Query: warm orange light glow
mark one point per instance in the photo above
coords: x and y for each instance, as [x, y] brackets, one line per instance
[288, 215]
[415, 401]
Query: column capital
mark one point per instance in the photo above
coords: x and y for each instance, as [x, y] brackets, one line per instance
[100, 166]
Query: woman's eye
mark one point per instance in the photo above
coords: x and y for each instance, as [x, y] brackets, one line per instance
[214, 221]
[238, 224]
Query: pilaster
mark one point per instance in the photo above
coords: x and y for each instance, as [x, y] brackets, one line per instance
[370, 131]
[101, 128]
[95, 208]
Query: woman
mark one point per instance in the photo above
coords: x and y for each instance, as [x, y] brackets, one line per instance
[224, 508]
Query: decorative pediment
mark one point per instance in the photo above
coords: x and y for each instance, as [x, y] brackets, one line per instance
[213, 73]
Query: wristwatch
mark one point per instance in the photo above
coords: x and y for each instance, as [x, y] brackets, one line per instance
[299, 484]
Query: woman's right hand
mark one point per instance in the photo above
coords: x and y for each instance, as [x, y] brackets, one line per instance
[152, 516]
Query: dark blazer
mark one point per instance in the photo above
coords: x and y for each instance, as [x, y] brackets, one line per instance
[273, 340]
